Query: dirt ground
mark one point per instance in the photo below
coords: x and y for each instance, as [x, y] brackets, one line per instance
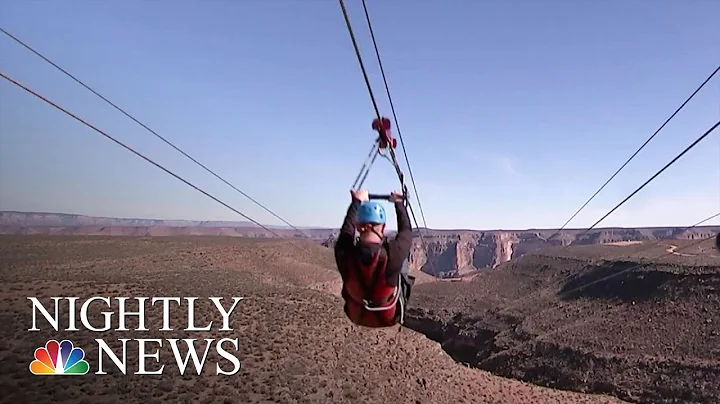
[633, 321]
[295, 345]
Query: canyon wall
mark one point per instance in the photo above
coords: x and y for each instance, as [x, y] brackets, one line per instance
[444, 253]
[456, 253]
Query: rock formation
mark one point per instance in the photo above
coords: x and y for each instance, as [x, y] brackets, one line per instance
[448, 253]
[442, 253]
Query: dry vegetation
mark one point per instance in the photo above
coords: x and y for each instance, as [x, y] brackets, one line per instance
[296, 346]
[631, 321]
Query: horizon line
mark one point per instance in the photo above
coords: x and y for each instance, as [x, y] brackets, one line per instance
[248, 224]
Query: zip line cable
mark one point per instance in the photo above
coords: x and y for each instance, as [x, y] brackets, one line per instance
[379, 117]
[601, 188]
[377, 111]
[673, 161]
[51, 103]
[649, 180]
[369, 86]
[392, 108]
[637, 151]
[687, 149]
[402, 142]
[359, 57]
[40, 55]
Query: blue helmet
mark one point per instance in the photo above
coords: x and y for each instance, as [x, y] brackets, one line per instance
[371, 212]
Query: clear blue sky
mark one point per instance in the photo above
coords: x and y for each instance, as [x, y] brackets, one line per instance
[513, 112]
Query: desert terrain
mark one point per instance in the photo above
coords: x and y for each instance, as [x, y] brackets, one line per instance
[442, 253]
[639, 321]
[295, 344]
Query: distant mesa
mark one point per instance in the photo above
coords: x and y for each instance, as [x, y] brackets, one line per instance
[67, 219]
[444, 253]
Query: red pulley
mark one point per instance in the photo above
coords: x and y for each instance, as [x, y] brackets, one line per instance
[385, 124]
[383, 128]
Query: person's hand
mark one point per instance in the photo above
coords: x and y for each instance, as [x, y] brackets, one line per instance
[396, 197]
[360, 195]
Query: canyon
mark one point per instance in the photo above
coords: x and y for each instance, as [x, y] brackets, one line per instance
[441, 253]
[450, 253]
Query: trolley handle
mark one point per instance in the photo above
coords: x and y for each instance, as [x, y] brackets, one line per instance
[385, 197]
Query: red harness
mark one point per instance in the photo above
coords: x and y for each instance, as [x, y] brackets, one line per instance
[369, 300]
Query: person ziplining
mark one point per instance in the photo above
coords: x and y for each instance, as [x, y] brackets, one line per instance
[374, 268]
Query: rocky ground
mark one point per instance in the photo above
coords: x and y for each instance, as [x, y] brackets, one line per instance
[295, 345]
[640, 322]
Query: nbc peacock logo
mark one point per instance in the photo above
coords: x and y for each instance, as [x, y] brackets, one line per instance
[59, 359]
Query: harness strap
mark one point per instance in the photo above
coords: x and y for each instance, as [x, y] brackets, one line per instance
[402, 305]
[396, 298]
[368, 289]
